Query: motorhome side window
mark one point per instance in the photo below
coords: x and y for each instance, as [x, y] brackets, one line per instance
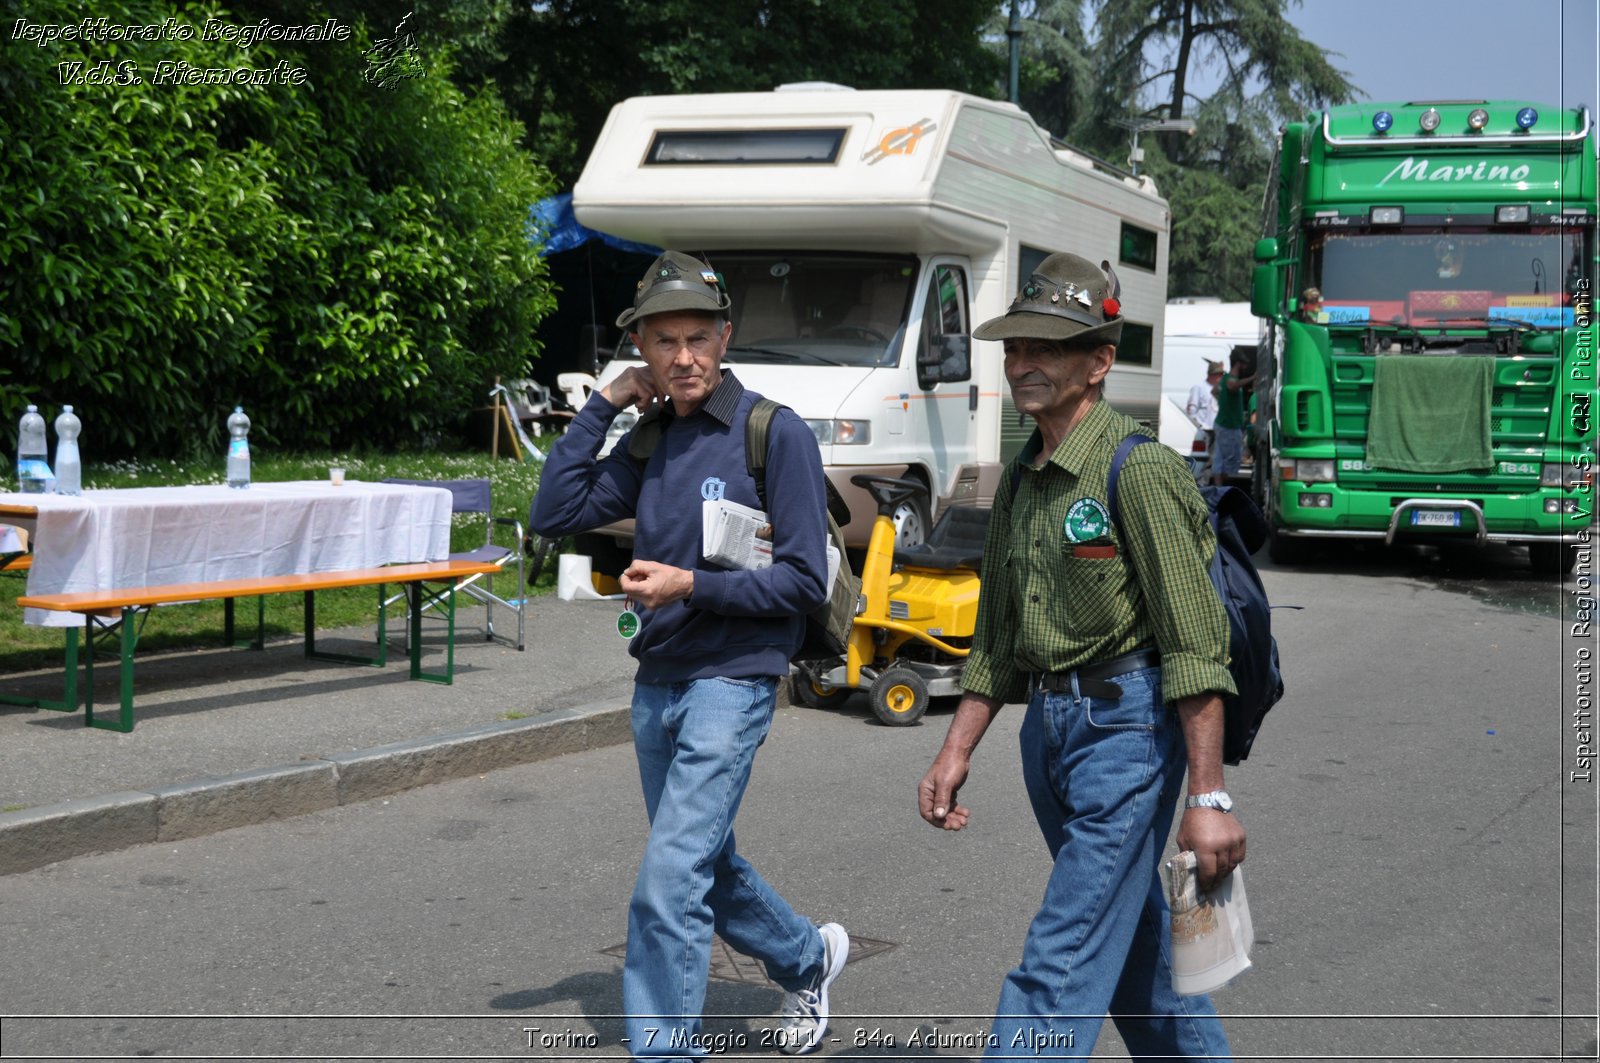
[944, 348]
[750, 147]
[1137, 247]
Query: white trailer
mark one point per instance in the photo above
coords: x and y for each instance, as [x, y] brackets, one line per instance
[862, 236]
[1198, 330]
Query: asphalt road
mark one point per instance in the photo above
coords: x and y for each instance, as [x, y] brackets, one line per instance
[1422, 874]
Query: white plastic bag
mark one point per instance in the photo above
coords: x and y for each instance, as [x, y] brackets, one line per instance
[1211, 932]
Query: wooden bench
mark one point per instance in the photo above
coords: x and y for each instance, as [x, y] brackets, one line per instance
[104, 612]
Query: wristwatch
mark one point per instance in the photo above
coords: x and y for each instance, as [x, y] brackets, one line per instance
[1217, 799]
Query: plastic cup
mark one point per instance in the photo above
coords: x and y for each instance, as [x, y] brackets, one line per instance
[336, 476]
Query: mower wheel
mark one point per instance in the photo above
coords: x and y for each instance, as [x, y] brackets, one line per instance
[899, 697]
[808, 693]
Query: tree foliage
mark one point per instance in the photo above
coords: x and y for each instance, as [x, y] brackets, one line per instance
[1239, 68]
[346, 260]
[562, 65]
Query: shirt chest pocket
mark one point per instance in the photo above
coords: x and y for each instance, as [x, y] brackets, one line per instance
[1090, 593]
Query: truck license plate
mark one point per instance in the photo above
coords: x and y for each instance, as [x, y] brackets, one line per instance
[1436, 518]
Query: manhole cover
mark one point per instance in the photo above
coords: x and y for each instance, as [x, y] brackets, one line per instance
[732, 966]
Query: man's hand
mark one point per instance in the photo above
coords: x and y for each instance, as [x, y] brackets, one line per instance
[636, 387]
[652, 584]
[1217, 840]
[936, 793]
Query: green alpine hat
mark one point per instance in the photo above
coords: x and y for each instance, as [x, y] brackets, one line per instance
[676, 281]
[1067, 298]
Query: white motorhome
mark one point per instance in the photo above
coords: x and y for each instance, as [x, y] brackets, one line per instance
[862, 236]
[1198, 330]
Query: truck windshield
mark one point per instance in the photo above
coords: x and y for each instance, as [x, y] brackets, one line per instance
[1438, 276]
[817, 308]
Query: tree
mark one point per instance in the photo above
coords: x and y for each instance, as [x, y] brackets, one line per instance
[348, 260]
[1148, 56]
[1055, 64]
[562, 65]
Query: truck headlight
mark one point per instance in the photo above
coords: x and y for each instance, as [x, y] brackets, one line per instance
[1568, 475]
[1318, 471]
[840, 432]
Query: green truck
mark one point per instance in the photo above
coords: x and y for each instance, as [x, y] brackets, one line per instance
[1443, 387]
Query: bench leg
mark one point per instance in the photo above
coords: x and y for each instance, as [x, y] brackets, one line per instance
[69, 693]
[130, 639]
[418, 598]
[377, 660]
[260, 642]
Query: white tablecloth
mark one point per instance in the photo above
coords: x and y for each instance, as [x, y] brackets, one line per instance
[145, 536]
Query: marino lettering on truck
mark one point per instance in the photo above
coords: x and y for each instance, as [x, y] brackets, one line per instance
[1427, 364]
[860, 235]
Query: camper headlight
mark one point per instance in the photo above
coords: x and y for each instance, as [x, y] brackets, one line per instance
[840, 432]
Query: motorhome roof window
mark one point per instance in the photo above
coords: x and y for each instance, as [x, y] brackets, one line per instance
[745, 147]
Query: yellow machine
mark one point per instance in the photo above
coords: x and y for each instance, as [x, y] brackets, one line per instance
[919, 609]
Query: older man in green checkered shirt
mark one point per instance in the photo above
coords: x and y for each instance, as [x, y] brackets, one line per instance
[1116, 639]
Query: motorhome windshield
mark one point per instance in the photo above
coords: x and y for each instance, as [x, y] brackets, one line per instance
[1437, 275]
[817, 308]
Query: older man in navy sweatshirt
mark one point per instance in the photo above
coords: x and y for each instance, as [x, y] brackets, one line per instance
[711, 645]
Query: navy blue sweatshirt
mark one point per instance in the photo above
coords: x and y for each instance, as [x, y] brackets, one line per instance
[737, 624]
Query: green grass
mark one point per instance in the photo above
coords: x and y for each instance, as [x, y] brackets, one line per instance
[24, 647]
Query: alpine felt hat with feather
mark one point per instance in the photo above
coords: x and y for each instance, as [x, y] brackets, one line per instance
[1067, 298]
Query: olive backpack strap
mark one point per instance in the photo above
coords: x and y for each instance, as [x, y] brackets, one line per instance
[647, 432]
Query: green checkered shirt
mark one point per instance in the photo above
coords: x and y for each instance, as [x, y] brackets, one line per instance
[1045, 610]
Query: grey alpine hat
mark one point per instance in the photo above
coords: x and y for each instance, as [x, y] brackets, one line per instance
[1067, 298]
[676, 281]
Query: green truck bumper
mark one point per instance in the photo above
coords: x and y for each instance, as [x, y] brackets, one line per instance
[1329, 510]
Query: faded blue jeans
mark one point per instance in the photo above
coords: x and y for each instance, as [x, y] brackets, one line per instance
[1104, 778]
[696, 742]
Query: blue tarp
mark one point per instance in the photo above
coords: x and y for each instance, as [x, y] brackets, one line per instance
[557, 228]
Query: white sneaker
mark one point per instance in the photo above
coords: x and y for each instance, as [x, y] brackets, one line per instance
[805, 1011]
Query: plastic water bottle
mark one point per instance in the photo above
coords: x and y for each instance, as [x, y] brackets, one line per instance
[69, 470]
[238, 448]
[33, 454]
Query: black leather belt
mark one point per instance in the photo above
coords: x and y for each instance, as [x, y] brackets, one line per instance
[1094, 679]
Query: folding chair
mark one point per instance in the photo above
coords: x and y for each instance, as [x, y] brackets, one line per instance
[473, 496]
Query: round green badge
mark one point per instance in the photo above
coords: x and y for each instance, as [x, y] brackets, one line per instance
[628, 624]
[1087, 520]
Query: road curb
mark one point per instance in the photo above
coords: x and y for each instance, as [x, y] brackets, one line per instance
[33, 837]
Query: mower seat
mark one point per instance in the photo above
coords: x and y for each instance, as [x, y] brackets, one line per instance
[955, 542]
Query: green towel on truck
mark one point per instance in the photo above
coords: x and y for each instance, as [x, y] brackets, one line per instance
[1431, 414]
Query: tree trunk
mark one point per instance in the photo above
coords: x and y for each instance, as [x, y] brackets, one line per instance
[1180, 73]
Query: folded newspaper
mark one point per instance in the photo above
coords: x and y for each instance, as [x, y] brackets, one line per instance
[737, 536]
[1211, 932]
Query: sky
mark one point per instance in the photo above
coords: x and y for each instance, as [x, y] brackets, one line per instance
[1399, 50]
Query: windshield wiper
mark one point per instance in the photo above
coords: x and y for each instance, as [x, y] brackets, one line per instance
[790, 356]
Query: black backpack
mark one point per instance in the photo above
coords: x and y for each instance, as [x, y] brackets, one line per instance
[1252, 651]
[828, 626]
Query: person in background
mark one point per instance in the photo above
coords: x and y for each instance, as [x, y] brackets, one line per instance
[1228, 451]
[1311, 305]
[1116, 639]
[1202, 408]
[711, 645]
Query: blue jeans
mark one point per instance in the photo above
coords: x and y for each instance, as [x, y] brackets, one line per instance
[1104, 778]
[1227, 450]
[696, 742]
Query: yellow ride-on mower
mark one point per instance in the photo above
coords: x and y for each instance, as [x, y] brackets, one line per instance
[911, 640]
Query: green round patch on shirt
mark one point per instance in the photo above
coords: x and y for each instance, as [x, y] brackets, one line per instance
[1087, 520]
